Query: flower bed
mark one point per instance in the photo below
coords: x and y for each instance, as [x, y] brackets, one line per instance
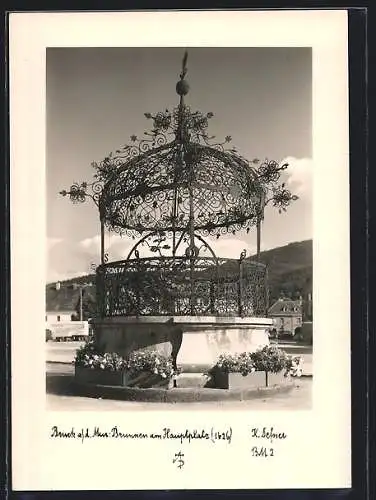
[90, 375]
[266, 367]
[140, 369]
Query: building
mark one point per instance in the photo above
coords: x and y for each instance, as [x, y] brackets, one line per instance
[287, 315]
[66, 311]
[60, 316]
[63, 302]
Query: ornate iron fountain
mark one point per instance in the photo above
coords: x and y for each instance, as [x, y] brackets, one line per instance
[170, 191]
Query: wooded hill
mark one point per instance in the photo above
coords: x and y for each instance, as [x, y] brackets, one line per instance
[289, 272]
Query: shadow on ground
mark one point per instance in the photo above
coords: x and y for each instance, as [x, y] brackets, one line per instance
[60, 384]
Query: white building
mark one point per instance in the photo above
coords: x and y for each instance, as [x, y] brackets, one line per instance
[287, 316]
[61, 304]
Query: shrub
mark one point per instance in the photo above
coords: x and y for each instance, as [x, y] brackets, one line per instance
[152, 362]
[86, 351]
[268, 359]
[236, 363]
[90, 356]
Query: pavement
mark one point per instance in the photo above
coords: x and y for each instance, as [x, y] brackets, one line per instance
[61, 352]
[61, 397]
[64, 353]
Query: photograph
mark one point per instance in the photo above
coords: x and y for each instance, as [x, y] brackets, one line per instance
[179, 228]
[180, 250]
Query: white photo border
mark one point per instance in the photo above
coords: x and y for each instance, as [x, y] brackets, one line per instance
[324, 433]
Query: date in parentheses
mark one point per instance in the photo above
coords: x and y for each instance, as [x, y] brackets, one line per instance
[262, 451]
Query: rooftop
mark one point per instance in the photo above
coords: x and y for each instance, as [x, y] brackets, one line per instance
[67, 298]
[286, 306]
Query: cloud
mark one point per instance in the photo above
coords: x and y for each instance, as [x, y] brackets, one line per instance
[119, 247]
[54, 276]
[231, 247]
[300, 176]
[116, 246]
[91, 244]
[68, 259]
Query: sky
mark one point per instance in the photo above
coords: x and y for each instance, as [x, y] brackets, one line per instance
[97, 97]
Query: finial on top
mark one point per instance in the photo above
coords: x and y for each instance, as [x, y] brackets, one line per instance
[182, 87]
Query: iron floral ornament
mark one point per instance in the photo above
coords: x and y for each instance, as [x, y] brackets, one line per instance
[80, 192]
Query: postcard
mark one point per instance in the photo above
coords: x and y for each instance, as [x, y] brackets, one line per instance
[180, 250]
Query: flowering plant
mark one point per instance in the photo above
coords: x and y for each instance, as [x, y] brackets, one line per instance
[236, 363]
[152, 362]
[89, 356]
[267, 358]
[85, 352]
[270, 359]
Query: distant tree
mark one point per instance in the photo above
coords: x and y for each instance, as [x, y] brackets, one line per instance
[89, 307]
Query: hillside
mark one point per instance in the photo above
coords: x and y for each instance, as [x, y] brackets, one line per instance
[289, 271]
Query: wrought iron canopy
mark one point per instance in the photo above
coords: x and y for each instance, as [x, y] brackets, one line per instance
[153, 191]
[177, 178]
[178, 181]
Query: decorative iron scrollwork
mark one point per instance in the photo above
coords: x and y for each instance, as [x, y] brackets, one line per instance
[169, 188]
[79, 192]
[170, 286]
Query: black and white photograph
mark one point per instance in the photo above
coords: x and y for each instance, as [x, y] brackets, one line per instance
[180, 232]
[189, 270]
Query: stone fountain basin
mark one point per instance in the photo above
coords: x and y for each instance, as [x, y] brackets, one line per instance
[194, 342]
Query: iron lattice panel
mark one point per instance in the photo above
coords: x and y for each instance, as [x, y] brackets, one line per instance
[182, 286]
[142, 196]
